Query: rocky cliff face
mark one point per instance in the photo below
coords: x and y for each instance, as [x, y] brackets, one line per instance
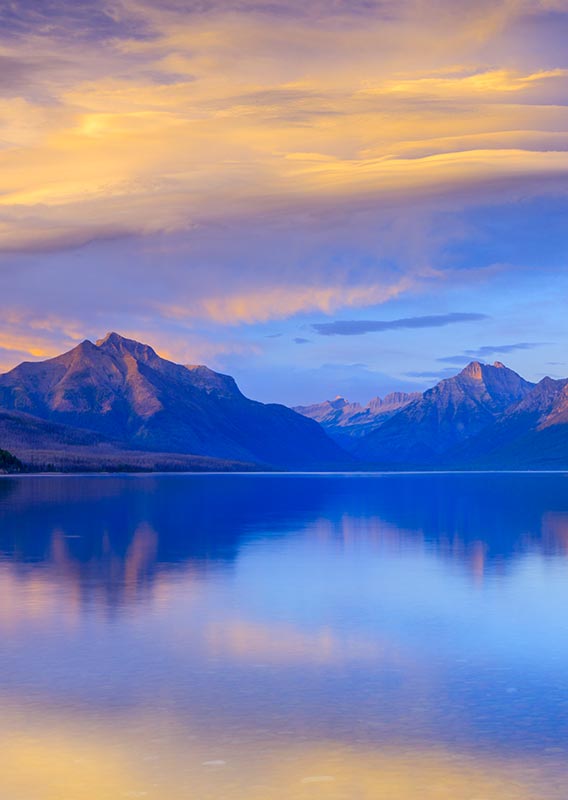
[122, 390]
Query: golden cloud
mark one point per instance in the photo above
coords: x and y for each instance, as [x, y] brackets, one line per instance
[243, 114]
[284, 301]
[154, 134]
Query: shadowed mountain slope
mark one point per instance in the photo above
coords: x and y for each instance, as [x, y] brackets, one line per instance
[427, 430]
[48, 446]
[532, 433]
[123, 391]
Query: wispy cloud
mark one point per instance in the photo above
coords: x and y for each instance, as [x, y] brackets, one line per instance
[489, 350]
[300, 340]
[360, 327]
[142, 117]
[285, 300]
[341, 164]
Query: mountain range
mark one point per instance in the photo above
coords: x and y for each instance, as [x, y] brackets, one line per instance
[117, 401]
[117, 404]
[345, 421]
[485, 417]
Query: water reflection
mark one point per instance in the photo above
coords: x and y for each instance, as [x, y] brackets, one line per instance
[124, 529]
[315, 621]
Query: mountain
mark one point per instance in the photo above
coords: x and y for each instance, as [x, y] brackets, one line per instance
[117, 405]
[131, 398]
[48, 446]
[345, 422]
[426, 431]
[531, 434]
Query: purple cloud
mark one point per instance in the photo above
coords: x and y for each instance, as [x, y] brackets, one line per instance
[489, 350]
[360, 327]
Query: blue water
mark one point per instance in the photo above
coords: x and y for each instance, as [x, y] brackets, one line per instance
[244, 636]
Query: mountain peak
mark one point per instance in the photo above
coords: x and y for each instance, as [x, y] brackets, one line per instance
[479, 371]
[111, 336]
[473, 370]
[113, 339]
[338, 402]
[114, 342]
[122, 391]
[457, 408]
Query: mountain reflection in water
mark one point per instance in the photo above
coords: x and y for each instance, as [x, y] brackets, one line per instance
[322, 636]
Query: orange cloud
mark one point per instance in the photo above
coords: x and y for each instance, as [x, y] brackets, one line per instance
[154, 135]
[284, 301]
[220, 119]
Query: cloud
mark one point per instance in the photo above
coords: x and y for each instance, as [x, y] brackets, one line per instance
[143, 118]
[300, 340]
[286, 300]
[504, 348]
[79, 19]
[151, 178]
[359, 327]
[481, 83]
[489, 350]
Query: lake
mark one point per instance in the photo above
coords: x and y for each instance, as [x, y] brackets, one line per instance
[249, 637]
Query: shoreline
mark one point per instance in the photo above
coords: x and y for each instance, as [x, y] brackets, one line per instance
[280, 473]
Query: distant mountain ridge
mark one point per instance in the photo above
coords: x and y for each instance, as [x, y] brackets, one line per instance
[120, 392]
[486, 416]
[345, 421]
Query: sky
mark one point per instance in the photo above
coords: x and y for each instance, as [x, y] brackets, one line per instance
[344, 197]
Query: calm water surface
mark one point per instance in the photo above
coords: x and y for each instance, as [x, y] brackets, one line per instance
[249, 637]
